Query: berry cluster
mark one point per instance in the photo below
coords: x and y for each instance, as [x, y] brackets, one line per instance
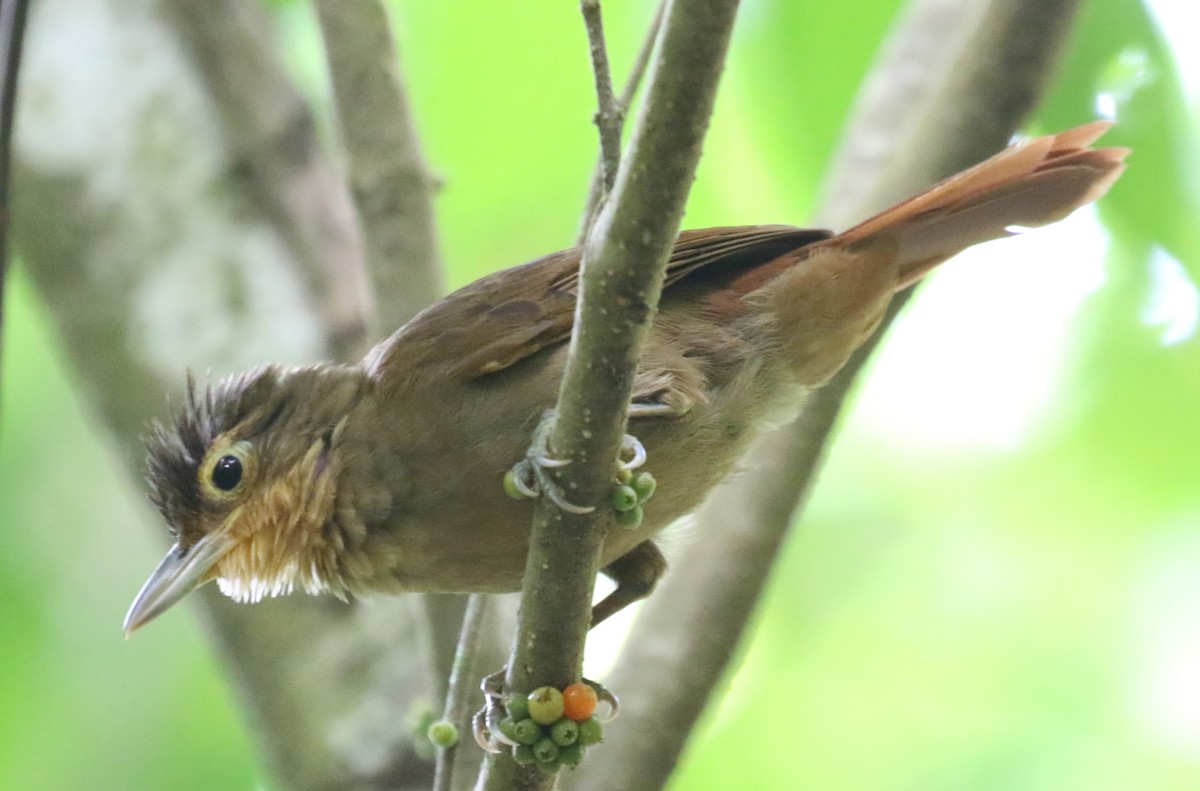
[551, 728]
[631, 493]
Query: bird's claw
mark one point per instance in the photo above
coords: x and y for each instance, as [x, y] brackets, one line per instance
[485, 723]
[637, 451]
[605, 696]
[483, 734]
[522, 480]
[530, 477]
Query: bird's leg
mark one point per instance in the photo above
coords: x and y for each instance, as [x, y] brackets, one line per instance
[636, 573]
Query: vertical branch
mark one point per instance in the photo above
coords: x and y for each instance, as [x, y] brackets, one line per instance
[622, 274]
[389, 180]
[393, 195]
[462, 680]
[609, 116]
[12, 36]
[598, 187]
[996, 64]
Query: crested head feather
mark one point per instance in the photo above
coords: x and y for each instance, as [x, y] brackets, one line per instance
[176, 449]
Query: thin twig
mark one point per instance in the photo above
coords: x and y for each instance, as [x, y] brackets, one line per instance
[596, 187]
[622, 275]
[669, 669]
[609, 118]
[458, 692]
[12, 36]
[443, 614]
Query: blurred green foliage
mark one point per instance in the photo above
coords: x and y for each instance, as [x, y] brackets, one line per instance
[948, 616]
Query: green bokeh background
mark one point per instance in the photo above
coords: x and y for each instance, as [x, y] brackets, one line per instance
[947, 616]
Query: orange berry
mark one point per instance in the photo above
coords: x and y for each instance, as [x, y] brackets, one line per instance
[579, 701]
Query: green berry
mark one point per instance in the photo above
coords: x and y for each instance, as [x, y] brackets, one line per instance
[545, 705]
[624, 475]
[523, 755]
[443, 734]
[517, 706]
[510, 486]
[508, 727]
[590, 732]
[527, 731]
[564, 732]
[644, 484]
[624, 498]
[571, 755]
[545, 750]
[631, 519]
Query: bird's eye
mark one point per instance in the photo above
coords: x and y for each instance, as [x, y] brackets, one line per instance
[227, 473]
[228, 468]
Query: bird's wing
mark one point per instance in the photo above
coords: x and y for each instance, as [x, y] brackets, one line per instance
[503, 318]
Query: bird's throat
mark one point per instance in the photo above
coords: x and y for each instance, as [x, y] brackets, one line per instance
[282, 543]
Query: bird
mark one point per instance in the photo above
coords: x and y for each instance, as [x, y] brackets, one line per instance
[385, 476]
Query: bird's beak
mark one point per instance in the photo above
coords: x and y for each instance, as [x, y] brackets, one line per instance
[179, 573]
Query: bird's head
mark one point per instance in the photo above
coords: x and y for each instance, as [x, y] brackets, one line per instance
[245, 476]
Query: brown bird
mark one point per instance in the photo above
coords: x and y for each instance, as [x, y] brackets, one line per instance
[386, 475]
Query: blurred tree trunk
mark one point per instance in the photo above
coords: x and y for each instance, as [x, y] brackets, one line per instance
[166, 231]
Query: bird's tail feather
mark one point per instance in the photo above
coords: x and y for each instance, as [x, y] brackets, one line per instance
[1030, 184]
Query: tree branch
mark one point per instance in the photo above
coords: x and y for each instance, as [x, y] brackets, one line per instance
[597, 186]
[609, 116]
[12, 36]
[462, 682]
[388, 176]
[622, 274]
[981, 91]
[274, 137]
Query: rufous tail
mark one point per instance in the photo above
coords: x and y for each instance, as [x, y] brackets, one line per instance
[1033, 183]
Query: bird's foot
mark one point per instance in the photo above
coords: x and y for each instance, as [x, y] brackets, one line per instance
[530, 477]
[567, 717]
[486, 722]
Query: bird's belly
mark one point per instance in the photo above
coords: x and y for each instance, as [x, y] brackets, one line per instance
[461, 532]
[477, 538]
